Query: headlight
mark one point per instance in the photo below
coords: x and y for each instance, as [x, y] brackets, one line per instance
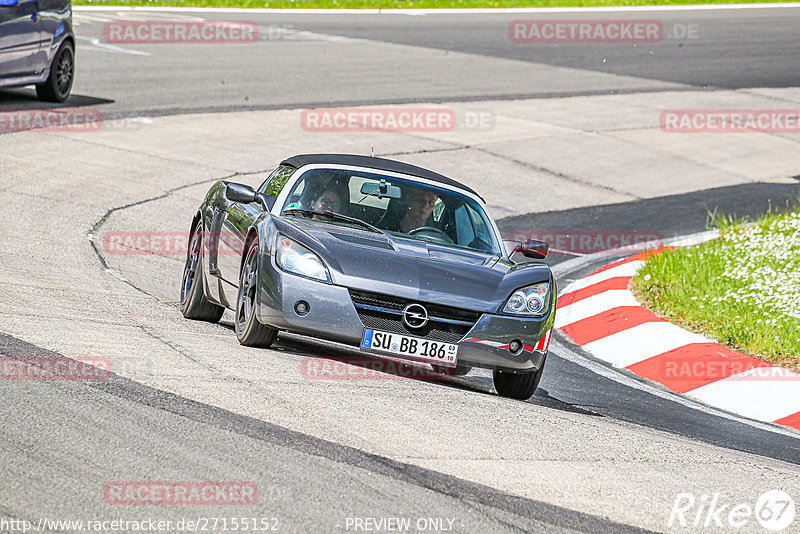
[532, 300]
[297, 259]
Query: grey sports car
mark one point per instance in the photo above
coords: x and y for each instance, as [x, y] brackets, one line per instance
[382, 255]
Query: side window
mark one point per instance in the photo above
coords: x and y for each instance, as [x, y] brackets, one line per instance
[273, 185]
[482, 231]
[478, 223]
[438, 210]
[464, 229]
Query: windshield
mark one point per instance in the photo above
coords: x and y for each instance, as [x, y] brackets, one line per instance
[393, 205]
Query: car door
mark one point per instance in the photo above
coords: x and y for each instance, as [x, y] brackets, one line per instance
[20, 36]
[232, 225]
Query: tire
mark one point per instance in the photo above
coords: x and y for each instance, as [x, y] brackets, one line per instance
[249, 331]
[194, 303]
[520, 386]
[62, 73]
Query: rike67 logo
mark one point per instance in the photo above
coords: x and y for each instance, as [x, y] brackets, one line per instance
[774, 510]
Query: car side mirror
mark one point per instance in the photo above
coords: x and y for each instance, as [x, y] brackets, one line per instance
[244, 194]
[9, 3]
[532, 248]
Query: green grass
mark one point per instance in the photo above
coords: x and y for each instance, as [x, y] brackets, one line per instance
[740, 289]
[399, 4]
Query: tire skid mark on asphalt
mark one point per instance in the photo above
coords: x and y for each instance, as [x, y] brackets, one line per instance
[215, 371]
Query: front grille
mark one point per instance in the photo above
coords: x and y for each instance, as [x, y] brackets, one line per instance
[383, 312]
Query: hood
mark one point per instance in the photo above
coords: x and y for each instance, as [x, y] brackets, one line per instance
[411, 268]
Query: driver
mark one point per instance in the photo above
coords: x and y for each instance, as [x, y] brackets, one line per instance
[419, 206]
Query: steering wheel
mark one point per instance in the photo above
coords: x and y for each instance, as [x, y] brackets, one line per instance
[433, 230]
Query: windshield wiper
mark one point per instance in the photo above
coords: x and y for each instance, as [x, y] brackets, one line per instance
[336, 216]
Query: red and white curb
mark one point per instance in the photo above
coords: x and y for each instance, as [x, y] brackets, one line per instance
[600, 314]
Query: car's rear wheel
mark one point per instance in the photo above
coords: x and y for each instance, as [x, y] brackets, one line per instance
[62, 73]
[520, 386]
[194, 303]
[249, 331]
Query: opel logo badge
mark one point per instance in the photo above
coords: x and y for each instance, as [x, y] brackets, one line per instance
[415, 316]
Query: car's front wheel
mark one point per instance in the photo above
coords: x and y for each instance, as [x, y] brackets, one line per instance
[249, 331]
[62, 73]
[520, 386]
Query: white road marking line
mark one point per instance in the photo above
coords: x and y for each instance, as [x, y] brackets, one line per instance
[648, 340]
[475, 11]
[115, 275]
[588, 307]
[626, 269]
[105, 47]
[132, 16]
[753, 394]
[280, 33]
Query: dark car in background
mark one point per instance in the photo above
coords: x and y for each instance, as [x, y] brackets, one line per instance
[37, 46]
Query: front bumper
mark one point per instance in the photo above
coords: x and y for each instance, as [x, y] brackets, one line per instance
[333, 316]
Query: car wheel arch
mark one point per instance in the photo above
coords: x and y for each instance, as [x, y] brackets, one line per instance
[252, 234]
[197, 218]
[71, 40]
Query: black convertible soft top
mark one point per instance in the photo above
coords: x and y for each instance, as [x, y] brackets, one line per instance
[371, 162]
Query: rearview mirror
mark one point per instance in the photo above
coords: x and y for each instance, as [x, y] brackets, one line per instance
[244, 194]
[381, 190]
[532, 248]
[9, 3]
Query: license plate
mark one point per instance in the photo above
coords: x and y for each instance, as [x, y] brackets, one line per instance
[415, 348]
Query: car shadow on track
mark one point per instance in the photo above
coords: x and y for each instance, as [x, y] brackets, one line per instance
[25, 98]
[323, 361]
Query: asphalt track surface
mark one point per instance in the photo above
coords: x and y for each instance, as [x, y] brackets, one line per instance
[312, 482]
[721, 49]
